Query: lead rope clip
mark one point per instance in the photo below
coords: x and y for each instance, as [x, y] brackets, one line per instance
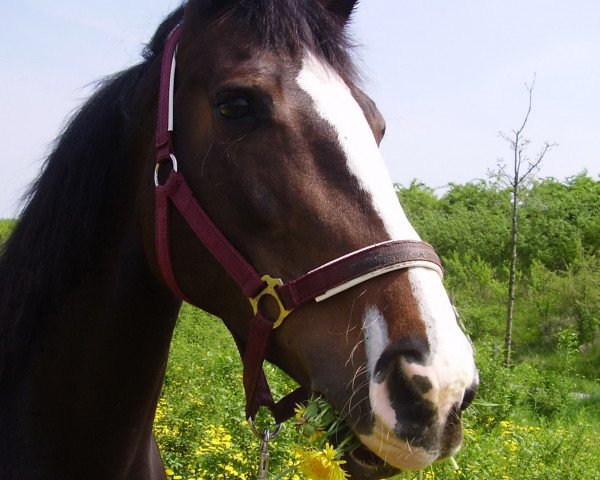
[263, 468]
[265, 438]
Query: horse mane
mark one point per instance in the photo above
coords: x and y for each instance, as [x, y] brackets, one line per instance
[65, 225]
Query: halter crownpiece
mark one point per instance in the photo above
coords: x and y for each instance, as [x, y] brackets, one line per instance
[319, 284]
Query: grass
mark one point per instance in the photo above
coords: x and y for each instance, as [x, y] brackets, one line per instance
[202, 432]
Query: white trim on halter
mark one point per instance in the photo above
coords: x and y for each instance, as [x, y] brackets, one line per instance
[172, 91]
[377, 273]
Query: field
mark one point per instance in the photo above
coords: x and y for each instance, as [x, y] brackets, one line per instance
[525, 425]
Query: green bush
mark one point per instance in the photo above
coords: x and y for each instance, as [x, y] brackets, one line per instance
[477, 293]
[567, 299]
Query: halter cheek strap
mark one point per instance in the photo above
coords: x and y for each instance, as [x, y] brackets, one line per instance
[318, 284]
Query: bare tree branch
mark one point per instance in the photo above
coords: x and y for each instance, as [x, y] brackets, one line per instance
[530, 90]
[500, 174]
[533, 165]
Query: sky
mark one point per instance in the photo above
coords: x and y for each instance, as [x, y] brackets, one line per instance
[448, 77]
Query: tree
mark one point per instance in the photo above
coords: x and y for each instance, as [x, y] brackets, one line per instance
[523, 169]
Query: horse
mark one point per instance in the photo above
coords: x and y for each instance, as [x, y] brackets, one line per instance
[255, 110]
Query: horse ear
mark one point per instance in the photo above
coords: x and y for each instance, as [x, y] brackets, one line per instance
[340, 8]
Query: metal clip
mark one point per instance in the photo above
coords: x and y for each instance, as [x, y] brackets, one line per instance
[263, 468]
[265, 438]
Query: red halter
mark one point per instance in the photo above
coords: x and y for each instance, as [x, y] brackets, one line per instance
[318, 284]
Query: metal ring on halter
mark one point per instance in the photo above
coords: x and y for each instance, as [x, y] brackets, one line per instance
[158, 164]
[266, 434]
[270, 289]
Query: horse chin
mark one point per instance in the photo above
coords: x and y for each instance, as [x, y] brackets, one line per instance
[382, 454]
[362, 463]
[374, 459]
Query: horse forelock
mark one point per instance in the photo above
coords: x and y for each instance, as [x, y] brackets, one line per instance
[289, 27]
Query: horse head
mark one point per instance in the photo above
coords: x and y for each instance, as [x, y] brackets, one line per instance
[280, 147]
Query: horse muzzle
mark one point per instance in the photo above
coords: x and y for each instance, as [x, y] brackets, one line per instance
[419, 373]
[416, 406]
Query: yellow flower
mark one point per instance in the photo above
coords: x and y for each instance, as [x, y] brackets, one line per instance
[321, 464]
[511, 445]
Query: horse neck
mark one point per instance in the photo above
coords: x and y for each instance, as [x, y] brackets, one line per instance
[88, 386]
[82, 389]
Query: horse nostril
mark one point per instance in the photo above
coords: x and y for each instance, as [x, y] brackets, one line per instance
[470, 393]
[404, 390]
[412, 349]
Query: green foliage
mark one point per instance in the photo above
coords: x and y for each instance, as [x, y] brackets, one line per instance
[587, 364]
[419, 200]
[469, 219]
[477, 293]
[6, 228]
[569, 298]
[527, 387]
[560, 220]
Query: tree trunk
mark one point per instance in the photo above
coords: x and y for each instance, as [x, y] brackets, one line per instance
[512, 278]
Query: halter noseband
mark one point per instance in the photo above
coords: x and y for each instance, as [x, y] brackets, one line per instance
[318, 284]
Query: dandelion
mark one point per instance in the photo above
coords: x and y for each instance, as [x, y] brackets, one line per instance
[320, 423]
[321, 464]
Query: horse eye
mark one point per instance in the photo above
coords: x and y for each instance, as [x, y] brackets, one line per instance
[235, 108]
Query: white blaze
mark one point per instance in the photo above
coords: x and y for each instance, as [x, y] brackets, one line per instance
[335, 104]
[376, 336]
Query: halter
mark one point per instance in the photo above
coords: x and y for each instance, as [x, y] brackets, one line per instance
[319, 284]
